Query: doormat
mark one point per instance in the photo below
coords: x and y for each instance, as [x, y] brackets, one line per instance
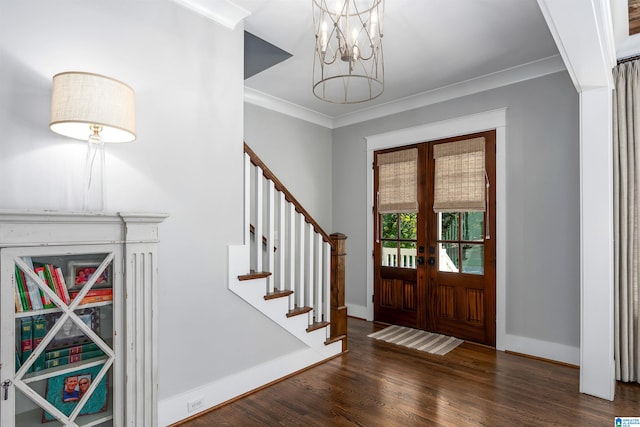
[417, 339]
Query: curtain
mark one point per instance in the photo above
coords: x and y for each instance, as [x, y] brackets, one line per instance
[398, 181]
[626, 157]
[459, 183]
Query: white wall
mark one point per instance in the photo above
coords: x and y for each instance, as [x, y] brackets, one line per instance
[542, 202]
[298, 153]
[187, 161]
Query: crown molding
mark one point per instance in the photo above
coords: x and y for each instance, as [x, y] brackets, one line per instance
[269, 102]
[531, 70]
[223, 12]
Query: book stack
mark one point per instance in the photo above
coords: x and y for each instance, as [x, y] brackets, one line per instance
[95, 295]
[29, 296]
[30, 332]
[64, 356]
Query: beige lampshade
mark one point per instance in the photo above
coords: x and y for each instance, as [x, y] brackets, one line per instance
[80, 100]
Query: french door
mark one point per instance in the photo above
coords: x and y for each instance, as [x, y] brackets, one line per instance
[435, 269]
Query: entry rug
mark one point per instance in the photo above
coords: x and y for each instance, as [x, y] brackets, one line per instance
[417, 339]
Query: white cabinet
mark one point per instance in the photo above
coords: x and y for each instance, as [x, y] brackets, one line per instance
[78, 318]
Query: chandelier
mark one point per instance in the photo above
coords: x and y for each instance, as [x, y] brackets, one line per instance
[348, 66]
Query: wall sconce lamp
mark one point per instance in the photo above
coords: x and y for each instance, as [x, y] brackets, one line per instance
[96, 109]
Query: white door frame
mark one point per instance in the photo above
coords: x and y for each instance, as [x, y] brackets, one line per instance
[488, 120]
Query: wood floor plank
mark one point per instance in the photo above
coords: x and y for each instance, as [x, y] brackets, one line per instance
[380, 384]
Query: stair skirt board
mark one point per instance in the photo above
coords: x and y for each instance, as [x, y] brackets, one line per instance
[253, 291]
[174, 409]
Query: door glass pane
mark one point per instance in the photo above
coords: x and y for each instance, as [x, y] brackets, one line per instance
[473, 259]
[408, 226]
[408, 254]
[389, 254]
[448, 257]
[473, 226]
[390, 226]
[448, 226]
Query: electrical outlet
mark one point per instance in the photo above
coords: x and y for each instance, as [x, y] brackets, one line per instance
[194, 404]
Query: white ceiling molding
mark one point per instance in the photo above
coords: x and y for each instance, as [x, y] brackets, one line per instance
[223, 12]
[506, 77]
[583, 33]
[524, 72]
[269, 102]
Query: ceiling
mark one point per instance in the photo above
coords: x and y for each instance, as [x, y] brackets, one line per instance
[427, 45]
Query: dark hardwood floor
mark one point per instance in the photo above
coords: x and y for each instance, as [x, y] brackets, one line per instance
[378, 384]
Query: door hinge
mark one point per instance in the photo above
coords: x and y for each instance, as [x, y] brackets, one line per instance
[373, 298]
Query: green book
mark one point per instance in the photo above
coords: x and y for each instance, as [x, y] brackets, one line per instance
[39, 331]
[54, 354]
[72, 358]
[21, 288]
[26, 338]
[17, 362]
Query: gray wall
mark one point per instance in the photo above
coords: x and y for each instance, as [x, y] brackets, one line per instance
[187, 161]
[298, 153]
[542, 206]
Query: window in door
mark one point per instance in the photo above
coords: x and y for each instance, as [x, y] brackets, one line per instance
[399, 240]
[461, 242]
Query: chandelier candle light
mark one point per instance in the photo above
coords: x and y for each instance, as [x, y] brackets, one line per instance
[348, 65]
[96, 109]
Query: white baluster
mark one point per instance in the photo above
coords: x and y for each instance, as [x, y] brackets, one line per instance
[247, 200]
[292, 253]
[317, 283]
[270, 234]
[282, 250]
[308, 282]
[310, 268]
[301, 264]
[259, 219]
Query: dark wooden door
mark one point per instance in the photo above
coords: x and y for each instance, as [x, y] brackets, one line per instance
[440, 277]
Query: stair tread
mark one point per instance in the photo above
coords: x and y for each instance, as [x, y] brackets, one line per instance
[298, 310]
[277, 294]
[317, 325]
[254, 275]
[335, 339]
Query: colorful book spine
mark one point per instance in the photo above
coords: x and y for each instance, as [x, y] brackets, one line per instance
[41, 273]
[26, 338]
[34, 292]
[46, 301]
[22, 290]
[39, 331]
[96, 298]
[95, 295]
[72, 358]
[84, 348]
[63, 285]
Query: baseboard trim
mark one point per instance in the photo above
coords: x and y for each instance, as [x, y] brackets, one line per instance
[545, 350]
[250, 392]
[173, 411]
[358, 311]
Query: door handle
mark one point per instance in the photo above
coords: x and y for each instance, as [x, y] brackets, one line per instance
[432, 261]
[420, 260]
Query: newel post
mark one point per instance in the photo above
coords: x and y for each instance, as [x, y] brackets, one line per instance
[338, 329]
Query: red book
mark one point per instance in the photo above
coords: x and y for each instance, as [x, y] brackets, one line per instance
[59, 278]
[94, 292]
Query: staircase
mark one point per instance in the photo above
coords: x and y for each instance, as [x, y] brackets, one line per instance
[288, 268]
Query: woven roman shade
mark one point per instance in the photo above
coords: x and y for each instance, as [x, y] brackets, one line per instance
[398, 181]
[459, 176]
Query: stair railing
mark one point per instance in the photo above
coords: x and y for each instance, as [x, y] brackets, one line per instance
[301, 256]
